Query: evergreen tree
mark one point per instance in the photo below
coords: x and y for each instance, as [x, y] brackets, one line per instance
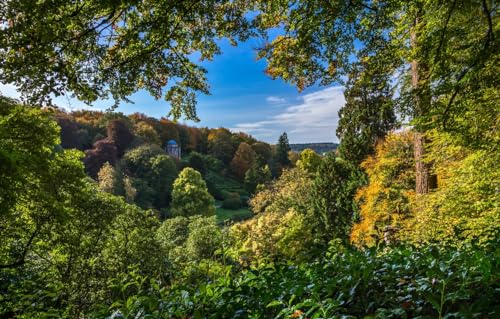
[282, 150]
[367, 115]
[334, 188]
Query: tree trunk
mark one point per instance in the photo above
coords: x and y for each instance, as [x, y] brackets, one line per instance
[421, 168]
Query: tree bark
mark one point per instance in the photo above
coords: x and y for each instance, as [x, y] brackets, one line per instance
[421, 168]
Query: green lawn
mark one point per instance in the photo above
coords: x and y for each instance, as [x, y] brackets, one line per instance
[229, 214]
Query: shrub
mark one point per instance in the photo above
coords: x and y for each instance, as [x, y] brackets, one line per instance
[232, 201]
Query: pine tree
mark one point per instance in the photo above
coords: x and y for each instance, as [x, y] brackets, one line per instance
[368, 113]
[282, 150]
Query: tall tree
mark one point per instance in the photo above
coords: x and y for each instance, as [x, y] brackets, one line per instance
[264, 153]
[282, 149]
[368, 113]
[450, 48]
[152, 174]
[220, 144]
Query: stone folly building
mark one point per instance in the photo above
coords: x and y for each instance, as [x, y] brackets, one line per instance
[173, 149]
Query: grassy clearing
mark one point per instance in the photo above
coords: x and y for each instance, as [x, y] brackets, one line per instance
[230, 214]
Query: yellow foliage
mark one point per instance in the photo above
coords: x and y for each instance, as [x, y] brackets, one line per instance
[465, 207]
[283, 225]
[271, 236]
[387, 199]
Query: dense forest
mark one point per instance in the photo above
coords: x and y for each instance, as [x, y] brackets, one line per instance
[128, 157]
[99, 220]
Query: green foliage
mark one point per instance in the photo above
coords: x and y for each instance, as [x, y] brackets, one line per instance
[232, 201]
[219, 185]
[187, 242]
[368, 113]
[152, 174]
[102, 50]
[264, 153]
[401, 283]
[334, 188]
[273, 236]
[309, 161]
[61, 241]
[282, 149]
[256, 177]
[285, 226]
[27, 145]
[464, 208]
[197, 162]
[204, 238]
[225, 216]
[451, 46]
[190, 195]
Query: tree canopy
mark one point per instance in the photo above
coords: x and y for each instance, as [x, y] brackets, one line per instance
[106, 49]
[190, 195]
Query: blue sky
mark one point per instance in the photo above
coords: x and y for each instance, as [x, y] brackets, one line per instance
[244, 98]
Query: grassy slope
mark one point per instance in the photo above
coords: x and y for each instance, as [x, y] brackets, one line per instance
[229, 214]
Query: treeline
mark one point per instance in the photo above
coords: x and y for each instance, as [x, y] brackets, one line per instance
[126, 155]
[319, 148]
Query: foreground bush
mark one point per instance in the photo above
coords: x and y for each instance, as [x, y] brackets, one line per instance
[399, 283]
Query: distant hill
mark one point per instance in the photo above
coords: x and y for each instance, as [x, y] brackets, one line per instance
[317, 147]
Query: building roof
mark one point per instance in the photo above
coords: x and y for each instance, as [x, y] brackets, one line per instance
[172, 142]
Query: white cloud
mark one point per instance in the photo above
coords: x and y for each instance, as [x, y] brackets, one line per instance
[9, 90]
[275, 100]
[314, 119]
